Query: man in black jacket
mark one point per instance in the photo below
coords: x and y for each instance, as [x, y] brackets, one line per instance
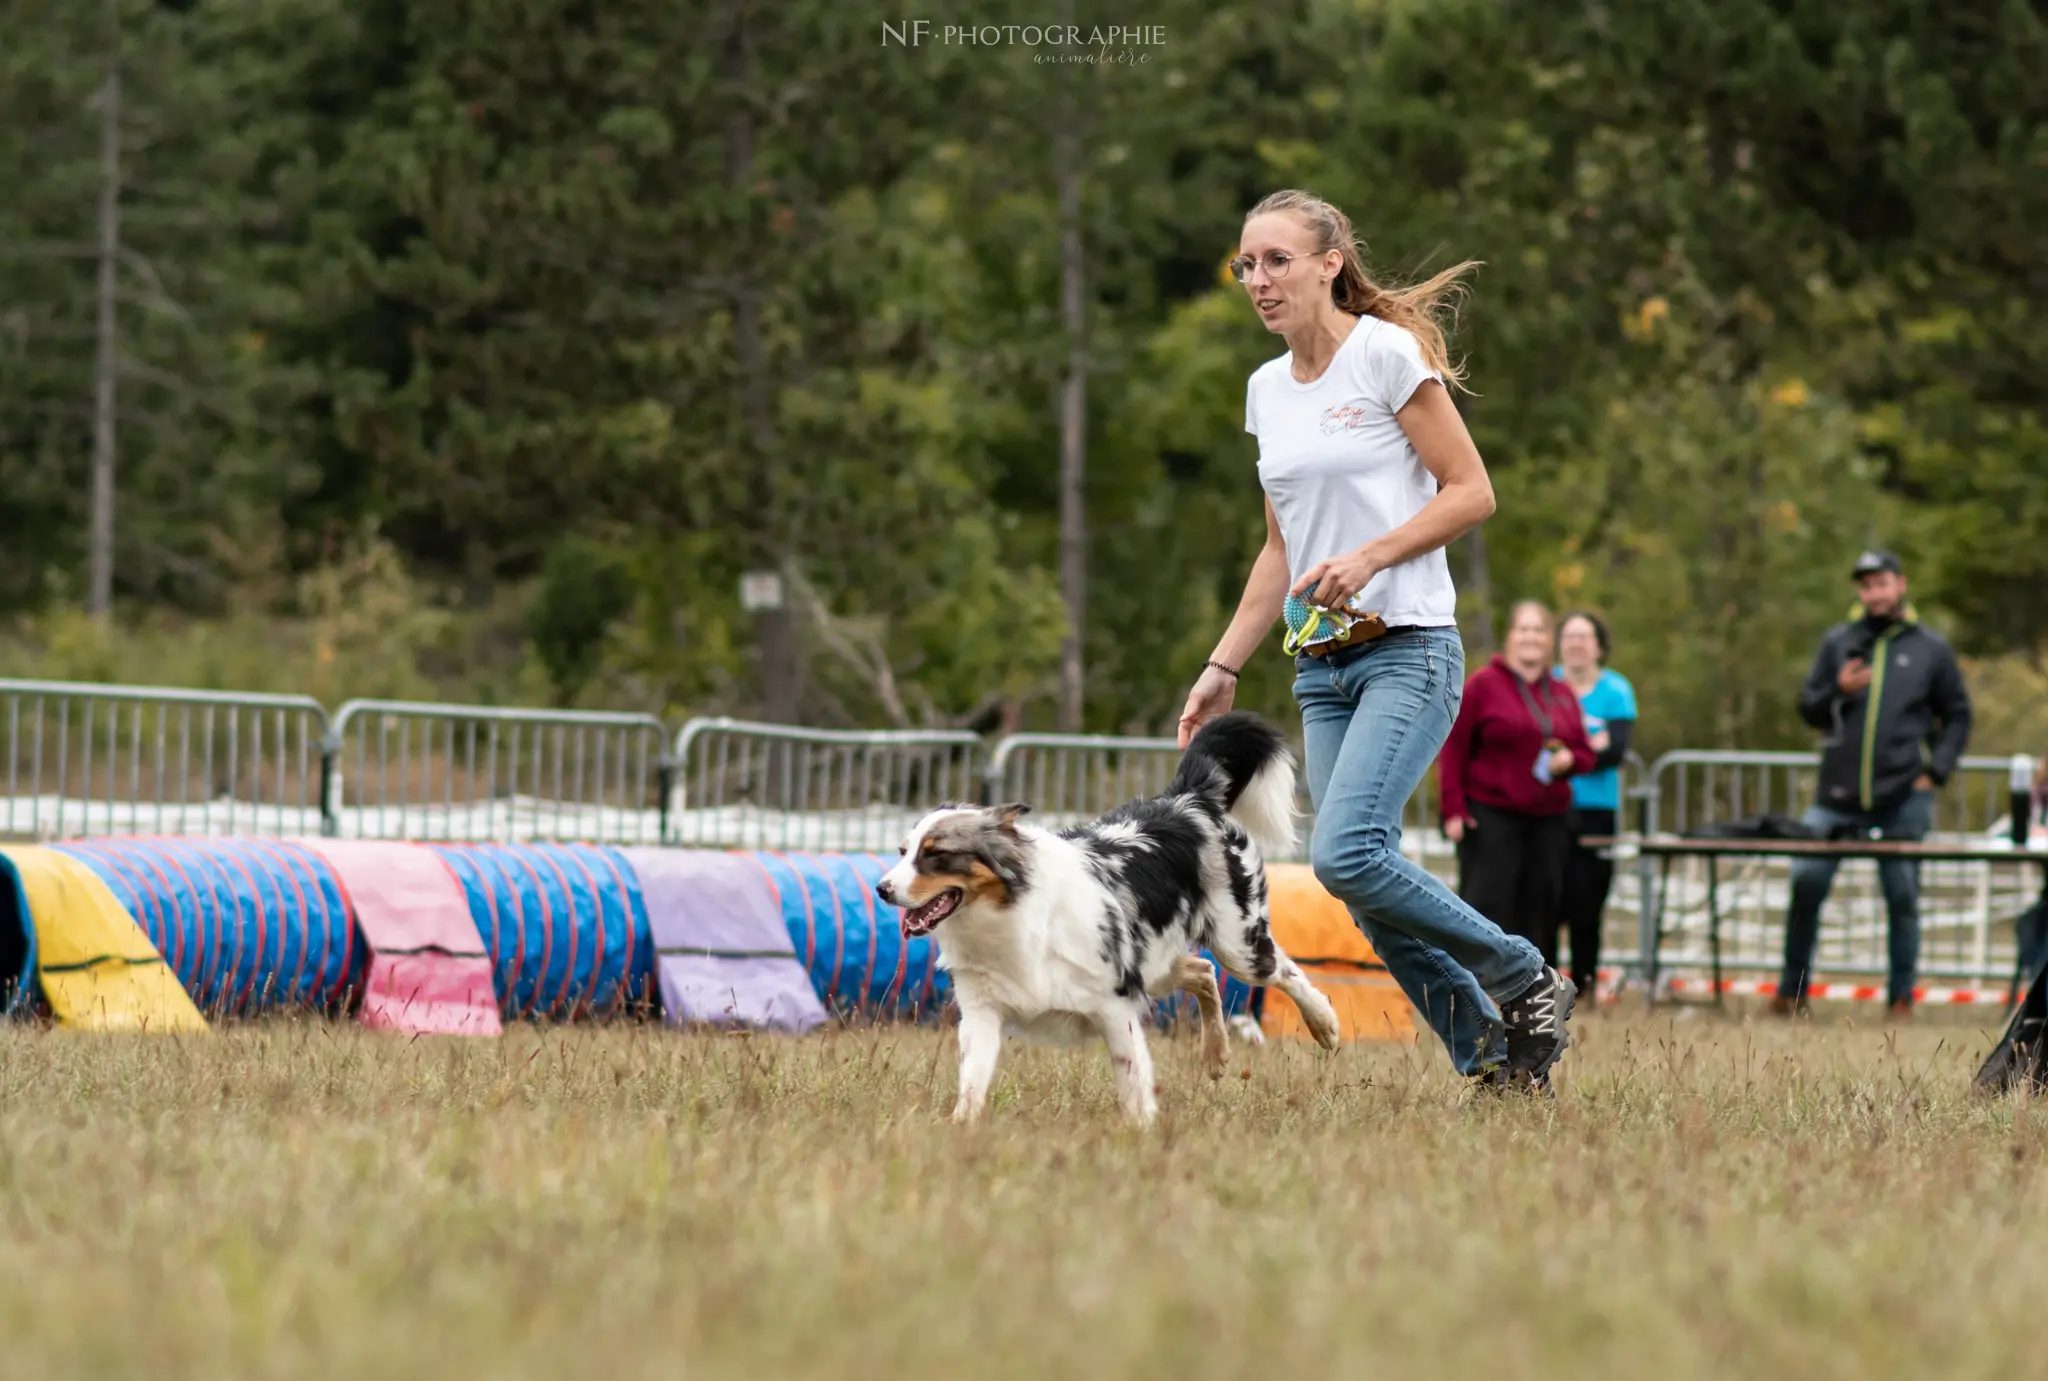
[1888, 694]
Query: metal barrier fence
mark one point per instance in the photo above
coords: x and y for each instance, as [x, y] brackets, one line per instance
[1695, 787]
[400, 770]
[1966, 909]
[99, 759]
[1069, 778]
[745, 785]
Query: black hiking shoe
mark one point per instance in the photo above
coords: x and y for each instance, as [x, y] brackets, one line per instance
[1536, 1028]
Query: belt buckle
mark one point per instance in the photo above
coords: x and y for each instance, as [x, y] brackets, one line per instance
[1363, 628]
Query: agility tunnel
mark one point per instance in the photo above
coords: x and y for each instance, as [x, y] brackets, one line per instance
[413, 937]
[850, 941]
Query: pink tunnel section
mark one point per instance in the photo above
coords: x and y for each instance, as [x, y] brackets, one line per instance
[428, 971]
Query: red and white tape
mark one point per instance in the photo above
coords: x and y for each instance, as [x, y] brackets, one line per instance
[1838, 992]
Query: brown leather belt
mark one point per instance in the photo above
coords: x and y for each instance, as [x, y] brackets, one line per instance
[1364, 629]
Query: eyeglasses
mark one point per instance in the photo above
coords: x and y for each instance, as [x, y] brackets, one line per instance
[1276, 262]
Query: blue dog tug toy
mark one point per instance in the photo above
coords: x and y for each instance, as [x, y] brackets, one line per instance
[1310, 625]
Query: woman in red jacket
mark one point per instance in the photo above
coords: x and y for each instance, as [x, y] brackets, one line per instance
[1504, 770]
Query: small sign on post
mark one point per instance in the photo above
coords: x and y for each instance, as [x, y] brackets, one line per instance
[761, 591]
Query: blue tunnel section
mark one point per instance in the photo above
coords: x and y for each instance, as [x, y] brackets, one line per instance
[565, 926]
[850, 941]
[246, 924]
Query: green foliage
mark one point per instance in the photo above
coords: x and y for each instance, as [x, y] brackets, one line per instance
[359, 626]
[1714, 526]
[584, 586]
[479, 278]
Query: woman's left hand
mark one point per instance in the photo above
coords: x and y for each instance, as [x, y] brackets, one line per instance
[1560, 762]
[1336, 580]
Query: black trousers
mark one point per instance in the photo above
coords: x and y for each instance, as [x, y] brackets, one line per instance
[1511, 871]
[1587, 876]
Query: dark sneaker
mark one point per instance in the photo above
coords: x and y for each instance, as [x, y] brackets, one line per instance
[1536, 1027]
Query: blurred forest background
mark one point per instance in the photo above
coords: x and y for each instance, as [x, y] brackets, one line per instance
[475, 349]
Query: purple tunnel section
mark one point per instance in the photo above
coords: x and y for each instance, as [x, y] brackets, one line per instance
[722, 953]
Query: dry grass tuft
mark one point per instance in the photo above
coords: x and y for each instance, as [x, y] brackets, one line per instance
[1704, 1199]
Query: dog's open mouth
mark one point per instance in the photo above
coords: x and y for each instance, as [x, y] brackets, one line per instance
[924, 918]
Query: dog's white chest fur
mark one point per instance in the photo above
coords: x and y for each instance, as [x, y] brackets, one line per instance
[1040, 965]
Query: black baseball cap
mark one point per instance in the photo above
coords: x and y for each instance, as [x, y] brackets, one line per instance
[1875, 560]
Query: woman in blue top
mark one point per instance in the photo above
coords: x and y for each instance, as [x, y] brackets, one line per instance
[1608, 704]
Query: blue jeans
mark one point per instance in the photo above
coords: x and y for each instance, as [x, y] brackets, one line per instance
[1374, 717]
[1899, 877]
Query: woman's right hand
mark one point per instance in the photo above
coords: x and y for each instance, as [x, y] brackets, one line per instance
[1454, 829]
[1214, 693]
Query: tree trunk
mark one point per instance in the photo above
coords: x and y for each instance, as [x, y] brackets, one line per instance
[106, 368]
[1073, 426]
[774, 629]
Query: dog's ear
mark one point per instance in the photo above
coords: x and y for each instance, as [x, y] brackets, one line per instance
[1006, 815]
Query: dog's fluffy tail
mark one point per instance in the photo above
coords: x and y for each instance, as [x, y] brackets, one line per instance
[1244, 765]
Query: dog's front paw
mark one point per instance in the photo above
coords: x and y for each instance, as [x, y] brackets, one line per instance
[1322, 1024]
[965, 1114]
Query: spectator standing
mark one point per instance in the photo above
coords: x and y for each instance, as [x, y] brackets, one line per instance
[1888, 694]
[1607, 703]
[1506, 770]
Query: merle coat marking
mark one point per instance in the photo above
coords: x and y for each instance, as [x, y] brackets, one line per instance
[1074, 931]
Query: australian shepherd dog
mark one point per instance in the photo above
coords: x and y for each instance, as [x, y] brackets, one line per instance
[1075, 932]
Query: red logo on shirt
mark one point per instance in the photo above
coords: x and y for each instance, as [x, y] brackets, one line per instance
[1345, 417]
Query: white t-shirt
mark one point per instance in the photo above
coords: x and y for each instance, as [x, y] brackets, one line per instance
[1340, 471]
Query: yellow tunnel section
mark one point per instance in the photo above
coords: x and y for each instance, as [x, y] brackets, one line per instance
[98, 970]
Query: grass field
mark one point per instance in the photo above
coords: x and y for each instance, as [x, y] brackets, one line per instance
[1704, 1198]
